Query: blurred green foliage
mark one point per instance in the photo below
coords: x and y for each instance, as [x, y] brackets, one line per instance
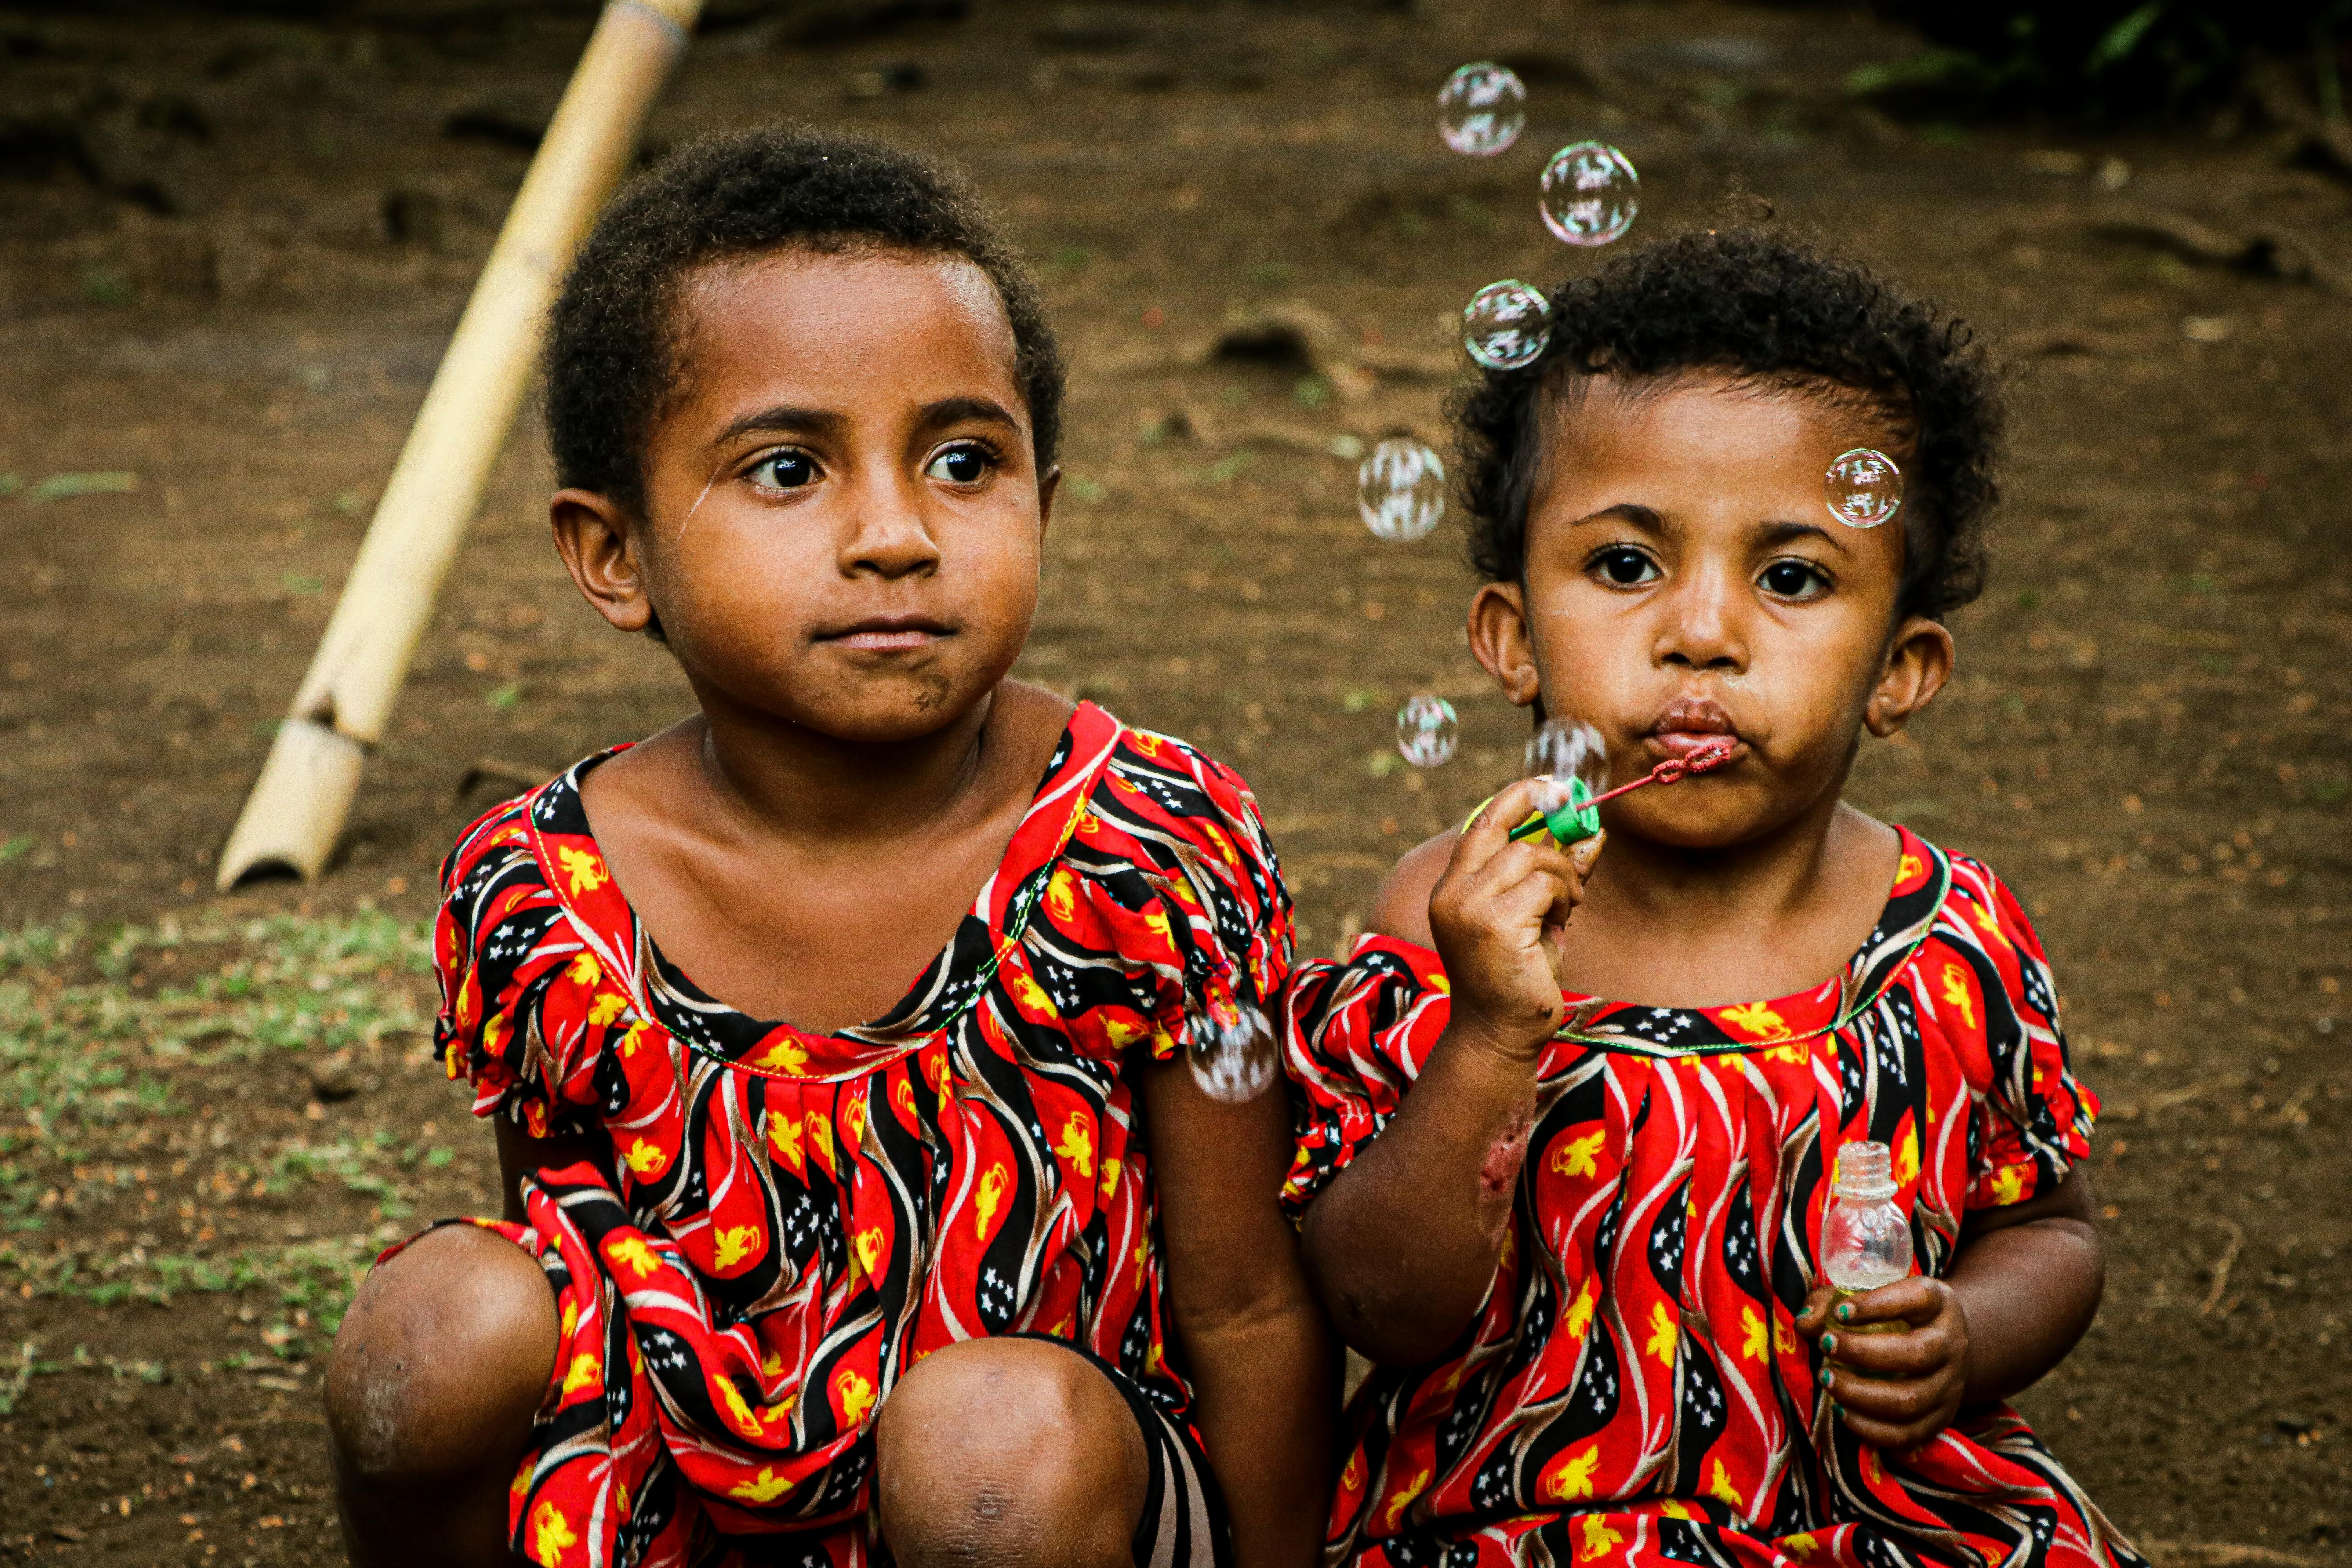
[2100, 60]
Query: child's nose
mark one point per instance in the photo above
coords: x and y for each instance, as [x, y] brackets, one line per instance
[1701, 626]
[887, 534]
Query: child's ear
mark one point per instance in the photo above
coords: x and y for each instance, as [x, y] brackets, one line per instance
[1918, 661]
[594, 537]
[1499, 640]
[1049, 485]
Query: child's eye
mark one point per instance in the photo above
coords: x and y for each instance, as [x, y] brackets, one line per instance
[1793, 580]
[961, 465]
[785, 470]
[1624, 568]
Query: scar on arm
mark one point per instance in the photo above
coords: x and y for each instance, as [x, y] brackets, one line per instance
[1498, 1173]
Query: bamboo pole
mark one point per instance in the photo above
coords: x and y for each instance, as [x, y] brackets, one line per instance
[303, 797]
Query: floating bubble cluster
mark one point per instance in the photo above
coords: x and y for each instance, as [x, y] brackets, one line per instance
[1401, 489]
[1426, 731]
[1574, 757]
[1590, 194]
[1864, 487]
[1231, 1053]
[1505, 325]
[1482, 108]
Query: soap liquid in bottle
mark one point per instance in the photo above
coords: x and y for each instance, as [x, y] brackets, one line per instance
[1865, 1239]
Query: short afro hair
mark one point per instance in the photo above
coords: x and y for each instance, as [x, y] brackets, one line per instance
[1769, 310]
[611, 358]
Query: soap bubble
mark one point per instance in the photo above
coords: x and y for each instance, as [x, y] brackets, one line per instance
[1505, 325]
[1482, 108]
[1589, 194]
[1232, 1052]
[1573, 756]
[1426, 731]
[1401, 489]
[1864, 487]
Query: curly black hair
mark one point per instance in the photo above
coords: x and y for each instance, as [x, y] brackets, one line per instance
[1763, 308]
[610, 363]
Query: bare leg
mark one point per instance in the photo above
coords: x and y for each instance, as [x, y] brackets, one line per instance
[436, 1375]
[1009, 1454]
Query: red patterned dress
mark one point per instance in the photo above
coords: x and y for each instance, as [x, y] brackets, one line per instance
[789, 1220]
[1633, 1389]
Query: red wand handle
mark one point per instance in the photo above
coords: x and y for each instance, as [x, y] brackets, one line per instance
[1707, 759]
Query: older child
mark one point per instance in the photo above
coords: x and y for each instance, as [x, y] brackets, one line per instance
[1563, 1181]
[802, 1264]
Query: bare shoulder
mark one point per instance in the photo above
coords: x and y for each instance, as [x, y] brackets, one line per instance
[1400, 908]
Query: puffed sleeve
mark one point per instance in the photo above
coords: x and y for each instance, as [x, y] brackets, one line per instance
[1355, 1035]
[513, 1020]
[2033, 1118]
[1168, 907]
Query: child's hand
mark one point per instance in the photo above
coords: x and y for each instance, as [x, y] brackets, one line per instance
[1495, 918]
[1896, 1390]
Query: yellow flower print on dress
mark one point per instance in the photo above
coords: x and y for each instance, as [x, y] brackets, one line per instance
[736, 1244]
[1572, 1477]
[1955, 993]
[1665, 1333]
[1755, 1018]
[1755, 1336]
[1403, 1498]
[632, 1253]
[764, 1488]
[786, 1056]
[1580, 1311]
[585, 1372]
[857, 1395]
[990, 1197]
[552, 1536]
[584, 872]
[1077, 1144]
[1580, 1156]
[871, 1243]
[1598, 1540]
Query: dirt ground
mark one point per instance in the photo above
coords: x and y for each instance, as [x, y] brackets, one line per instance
[231, 249]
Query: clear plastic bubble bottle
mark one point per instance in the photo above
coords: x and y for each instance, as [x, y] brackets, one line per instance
[1865, 1239]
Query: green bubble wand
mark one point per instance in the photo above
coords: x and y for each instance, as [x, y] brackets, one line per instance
[1578, 816]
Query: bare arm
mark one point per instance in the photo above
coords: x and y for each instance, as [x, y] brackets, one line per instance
[2022, 1292]
[1403, 1244]
[1259, 1350]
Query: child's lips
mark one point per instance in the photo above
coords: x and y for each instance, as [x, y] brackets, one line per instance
[893, 635]
[1682, 742]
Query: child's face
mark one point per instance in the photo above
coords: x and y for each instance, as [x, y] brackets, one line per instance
[842, 513]
[1685, 580]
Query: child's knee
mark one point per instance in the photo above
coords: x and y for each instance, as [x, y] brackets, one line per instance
[442, 1360]
[1008, 1451]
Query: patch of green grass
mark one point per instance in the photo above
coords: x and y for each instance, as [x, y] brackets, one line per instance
[82, 1060]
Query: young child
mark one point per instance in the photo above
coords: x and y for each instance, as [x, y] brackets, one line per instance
[1563, 1181]
[965, 1270]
